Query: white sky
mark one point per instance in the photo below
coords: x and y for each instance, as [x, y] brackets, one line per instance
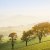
[14, 13]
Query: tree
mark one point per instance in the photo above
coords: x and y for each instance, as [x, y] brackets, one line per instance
[29, 32]
[41, 30]
[13, 36]
[26, 36]
[39, 36]
[1, 37]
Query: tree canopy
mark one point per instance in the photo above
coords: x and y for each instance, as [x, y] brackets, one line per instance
[41, 29]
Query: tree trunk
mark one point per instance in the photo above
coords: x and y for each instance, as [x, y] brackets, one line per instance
[39, 40]
[26, 42]
[12, 44]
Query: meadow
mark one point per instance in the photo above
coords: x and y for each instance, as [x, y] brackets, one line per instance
[32, 44]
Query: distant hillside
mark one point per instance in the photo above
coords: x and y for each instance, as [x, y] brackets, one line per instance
[18, 29]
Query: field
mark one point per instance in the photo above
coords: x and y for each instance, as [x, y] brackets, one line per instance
[32, 45]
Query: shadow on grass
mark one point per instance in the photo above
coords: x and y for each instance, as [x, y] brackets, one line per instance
[7, 45]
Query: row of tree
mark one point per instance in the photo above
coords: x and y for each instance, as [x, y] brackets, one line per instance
[38, 30]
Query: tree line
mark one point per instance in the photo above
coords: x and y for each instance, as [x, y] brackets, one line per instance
[38, 30]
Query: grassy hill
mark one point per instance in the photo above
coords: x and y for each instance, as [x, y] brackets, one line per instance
[32, 45]
[41, 46]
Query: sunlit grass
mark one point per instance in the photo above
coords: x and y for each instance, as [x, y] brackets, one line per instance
[40, 46]
[5, 39]
[19, 45]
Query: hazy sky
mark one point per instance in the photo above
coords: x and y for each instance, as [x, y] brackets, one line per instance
[24, 12]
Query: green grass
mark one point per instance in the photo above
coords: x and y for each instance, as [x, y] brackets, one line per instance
[19, 45]
[41, 46]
